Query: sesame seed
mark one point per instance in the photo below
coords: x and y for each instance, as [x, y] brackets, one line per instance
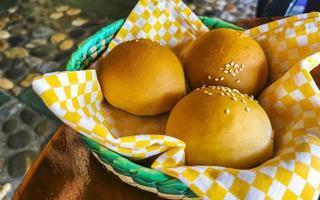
[206, 92]
[233, 74]
[221, 78]
[228, 94]
[221, 94]
[216, 79]
[243, 101]
[241, 69]
[247, 109]
[236, 71]
[236, 65]
[234, 98]
[251, 97]
[221, 68]
[242, 66]
[228, 65]
[209, 93]
[238, 81]
[209, 77]
[232, 63]
[225, 71]
[198, 89]
[227, 111]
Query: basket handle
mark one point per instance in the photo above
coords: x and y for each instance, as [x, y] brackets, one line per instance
[94, 46]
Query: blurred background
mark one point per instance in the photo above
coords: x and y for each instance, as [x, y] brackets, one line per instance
[38, 36]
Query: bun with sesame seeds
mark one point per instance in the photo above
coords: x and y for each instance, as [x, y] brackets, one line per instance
[221, 127]
[142, 77]
[226, 57]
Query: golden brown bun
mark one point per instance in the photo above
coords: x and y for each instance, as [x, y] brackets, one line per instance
[142, 77]
[207, 57]
[221, 127]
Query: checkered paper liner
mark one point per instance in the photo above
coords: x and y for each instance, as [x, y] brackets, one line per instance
[288, 40]
[292, 103]
[167, 22]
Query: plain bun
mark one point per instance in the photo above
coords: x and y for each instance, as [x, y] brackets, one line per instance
[142, 77]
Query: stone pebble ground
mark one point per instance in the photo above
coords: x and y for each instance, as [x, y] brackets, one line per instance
[36, 37]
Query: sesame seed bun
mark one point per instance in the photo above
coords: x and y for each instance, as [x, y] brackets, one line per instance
[226, 57]
[222, 127]
[142, 77]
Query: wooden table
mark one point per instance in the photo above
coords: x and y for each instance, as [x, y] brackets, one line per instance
[65, 169]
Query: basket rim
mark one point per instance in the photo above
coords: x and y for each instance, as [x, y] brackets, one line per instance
[142, 177]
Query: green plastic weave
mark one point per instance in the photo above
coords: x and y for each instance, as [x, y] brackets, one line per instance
[82, 58]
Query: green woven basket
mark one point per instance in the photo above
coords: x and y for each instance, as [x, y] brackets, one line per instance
[134, 174]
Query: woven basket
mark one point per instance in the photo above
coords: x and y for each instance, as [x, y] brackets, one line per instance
[129, 172]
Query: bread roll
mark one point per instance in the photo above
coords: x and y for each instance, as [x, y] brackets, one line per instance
[142, 77]
[226, 57]
[223, 127]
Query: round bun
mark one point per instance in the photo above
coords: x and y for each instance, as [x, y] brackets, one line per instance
[223, 127]
[142, 77]
[226, 57]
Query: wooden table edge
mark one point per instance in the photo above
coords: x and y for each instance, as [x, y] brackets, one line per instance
[36, 163]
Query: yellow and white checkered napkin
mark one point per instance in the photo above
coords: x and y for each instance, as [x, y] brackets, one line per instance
[169, 22]
[292, 103]
[288, 40]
